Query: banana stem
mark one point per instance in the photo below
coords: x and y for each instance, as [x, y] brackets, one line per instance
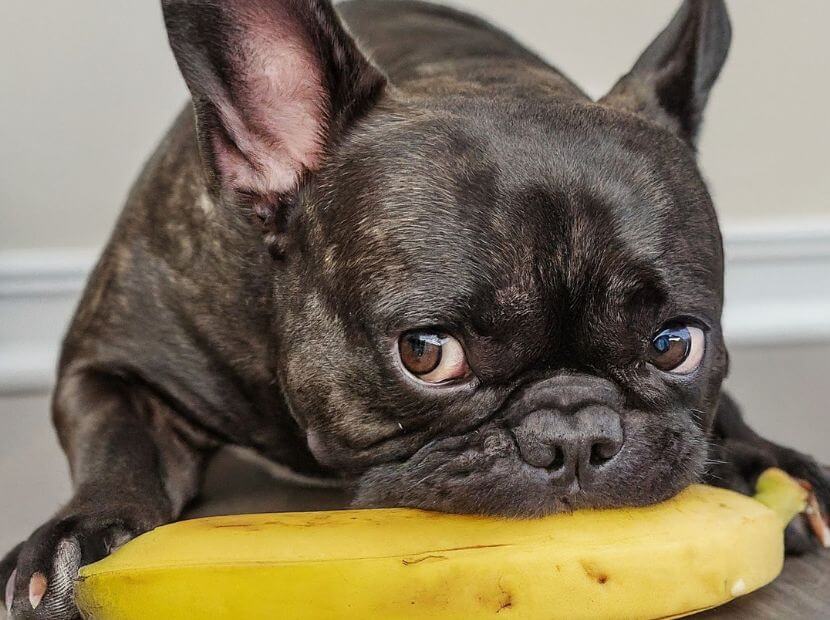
[782, 493]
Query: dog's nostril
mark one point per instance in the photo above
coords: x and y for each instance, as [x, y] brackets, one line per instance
[558, 458]
[602, 452]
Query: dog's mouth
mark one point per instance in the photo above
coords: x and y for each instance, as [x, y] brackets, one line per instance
[483, 472]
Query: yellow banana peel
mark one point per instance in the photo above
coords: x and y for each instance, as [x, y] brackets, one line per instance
[698, 550]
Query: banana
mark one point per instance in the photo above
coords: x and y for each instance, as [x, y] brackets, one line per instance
[698, 550]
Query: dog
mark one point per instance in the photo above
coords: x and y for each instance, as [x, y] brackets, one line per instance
[388, 247]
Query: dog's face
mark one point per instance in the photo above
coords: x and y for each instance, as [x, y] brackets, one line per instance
[485, 305]
[523, 321]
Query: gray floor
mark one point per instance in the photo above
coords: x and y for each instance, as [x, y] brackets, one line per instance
[782, 392]
[781, 389]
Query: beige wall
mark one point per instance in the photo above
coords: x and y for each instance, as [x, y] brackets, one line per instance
[87, 88]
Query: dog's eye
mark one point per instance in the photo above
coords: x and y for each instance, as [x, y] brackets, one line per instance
[432, 357]
[678, 348]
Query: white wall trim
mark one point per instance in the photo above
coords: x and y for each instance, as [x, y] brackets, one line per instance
[777, 293]
[38, 292]
[777, 281]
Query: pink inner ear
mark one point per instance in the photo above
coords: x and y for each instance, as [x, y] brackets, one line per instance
[273, 112]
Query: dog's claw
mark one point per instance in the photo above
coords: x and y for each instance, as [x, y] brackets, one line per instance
[818, 521]
[10, 590]
[37, 588]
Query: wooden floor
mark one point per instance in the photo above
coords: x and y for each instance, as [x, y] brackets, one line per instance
[236, 486]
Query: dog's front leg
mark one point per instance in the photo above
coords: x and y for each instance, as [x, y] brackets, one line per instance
[134, 465]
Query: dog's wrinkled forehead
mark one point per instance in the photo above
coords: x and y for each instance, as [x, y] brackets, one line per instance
[425, 216]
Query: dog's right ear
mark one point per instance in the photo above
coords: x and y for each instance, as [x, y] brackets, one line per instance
[671, 80]
[274, 82]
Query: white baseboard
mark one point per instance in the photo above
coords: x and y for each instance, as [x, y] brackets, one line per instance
[777, 293]
[38, 292]
[777, 282]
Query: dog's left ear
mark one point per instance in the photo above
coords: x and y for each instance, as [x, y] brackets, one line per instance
[671, 80]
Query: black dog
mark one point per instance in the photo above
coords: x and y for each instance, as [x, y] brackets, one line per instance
[427, 266]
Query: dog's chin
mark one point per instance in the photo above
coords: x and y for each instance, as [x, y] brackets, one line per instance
[483, 473]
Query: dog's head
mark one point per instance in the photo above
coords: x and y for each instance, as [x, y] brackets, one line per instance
[503, 303]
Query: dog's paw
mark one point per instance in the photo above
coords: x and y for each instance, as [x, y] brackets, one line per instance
[40, 573]
[738, 456]
[737, 465]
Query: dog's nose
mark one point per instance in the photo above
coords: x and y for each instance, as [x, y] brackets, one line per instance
[573, 445]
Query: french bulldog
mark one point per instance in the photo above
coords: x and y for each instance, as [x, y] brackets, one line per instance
[388, 247]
